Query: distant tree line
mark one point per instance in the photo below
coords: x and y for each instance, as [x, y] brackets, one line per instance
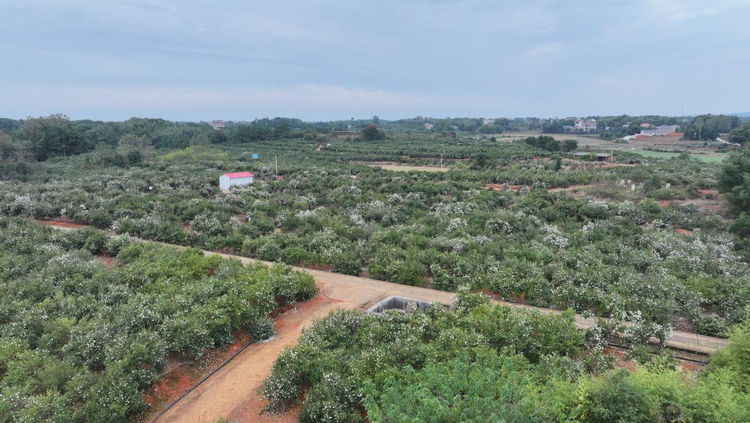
[709, 127]
[41, 138]
[550, 144]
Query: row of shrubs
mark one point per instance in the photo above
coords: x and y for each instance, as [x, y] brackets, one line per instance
[479, 362]
[82, 342]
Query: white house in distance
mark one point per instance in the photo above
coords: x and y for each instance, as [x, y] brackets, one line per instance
[585, 125]
[229, 180]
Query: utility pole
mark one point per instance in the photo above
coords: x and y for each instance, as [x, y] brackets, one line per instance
[441, 161]
[276, 158]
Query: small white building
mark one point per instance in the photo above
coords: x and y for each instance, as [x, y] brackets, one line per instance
[585, 125]
[229, 180]
[650, 132]
[218, 124]
[428, 126]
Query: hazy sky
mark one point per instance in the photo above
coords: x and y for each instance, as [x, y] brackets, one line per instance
[323, 60]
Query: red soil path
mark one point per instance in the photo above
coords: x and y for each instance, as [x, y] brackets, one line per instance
[59, 223]
[232, 392]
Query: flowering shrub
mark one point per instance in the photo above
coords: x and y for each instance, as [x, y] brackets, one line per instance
[567, 249]
[93, 339]
[455, 223]
[208, 224]
[345, 358]
[479, 362]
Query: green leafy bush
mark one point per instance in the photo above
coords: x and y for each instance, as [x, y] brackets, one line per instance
[82, 342]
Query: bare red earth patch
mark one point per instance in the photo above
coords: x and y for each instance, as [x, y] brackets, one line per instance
[105, 259]
[181, 375]
[59, 223]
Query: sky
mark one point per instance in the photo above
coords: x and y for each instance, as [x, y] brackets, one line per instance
[193, 60]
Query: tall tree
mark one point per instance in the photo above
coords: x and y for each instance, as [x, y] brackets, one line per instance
[708, 127]
[740, 135]
[734, 179]
[53, 135]
[372, 133]
[282, 130]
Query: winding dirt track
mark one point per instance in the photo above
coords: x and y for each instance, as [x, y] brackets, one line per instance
[232, 392]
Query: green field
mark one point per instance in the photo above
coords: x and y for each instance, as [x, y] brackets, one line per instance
[663, 155]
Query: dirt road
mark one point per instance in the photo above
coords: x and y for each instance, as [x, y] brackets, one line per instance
[232, 392]
[363, 291]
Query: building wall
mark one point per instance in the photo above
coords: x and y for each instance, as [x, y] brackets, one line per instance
[667, 129]
[225, 182]
[235, 182]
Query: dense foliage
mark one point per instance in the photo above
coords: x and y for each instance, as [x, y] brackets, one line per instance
[740, 135]
[708, 127]
[734, 180]
[479, 362]
[550, 144]
[346, 358]
[81, 341]
[600, 253]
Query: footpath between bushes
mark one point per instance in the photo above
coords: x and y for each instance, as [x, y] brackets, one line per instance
[232, 391]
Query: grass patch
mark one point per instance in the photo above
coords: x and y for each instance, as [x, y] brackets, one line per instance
[663, 155]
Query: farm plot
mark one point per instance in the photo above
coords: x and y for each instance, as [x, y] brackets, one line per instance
[405, 167]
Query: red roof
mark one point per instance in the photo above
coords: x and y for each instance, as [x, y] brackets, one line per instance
[239, 175]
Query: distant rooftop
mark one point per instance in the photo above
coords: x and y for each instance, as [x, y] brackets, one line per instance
[239, 175]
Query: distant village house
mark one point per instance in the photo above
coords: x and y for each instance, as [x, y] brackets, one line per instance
[218, 124]
[428, 126]
[585, 125]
